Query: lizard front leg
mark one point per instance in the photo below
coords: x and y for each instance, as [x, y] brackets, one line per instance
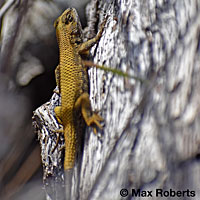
[57, 77]
[84, 47]
[90, 118]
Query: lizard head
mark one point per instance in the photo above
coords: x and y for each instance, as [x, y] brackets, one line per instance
[70, 22]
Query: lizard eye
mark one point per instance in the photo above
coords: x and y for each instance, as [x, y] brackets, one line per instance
[68, 19]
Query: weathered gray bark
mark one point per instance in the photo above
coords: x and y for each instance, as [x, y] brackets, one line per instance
[151, 135]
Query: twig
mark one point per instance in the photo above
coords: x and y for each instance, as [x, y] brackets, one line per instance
[5, 7]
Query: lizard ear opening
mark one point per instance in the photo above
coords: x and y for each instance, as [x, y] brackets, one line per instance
[55, 23]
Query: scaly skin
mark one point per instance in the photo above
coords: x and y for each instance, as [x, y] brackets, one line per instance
[72, 80]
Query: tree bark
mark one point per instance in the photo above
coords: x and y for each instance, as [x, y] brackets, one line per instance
[151, 138]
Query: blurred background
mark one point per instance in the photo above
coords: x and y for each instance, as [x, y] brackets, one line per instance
[29, 55]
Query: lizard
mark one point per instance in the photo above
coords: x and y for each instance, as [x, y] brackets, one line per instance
[72, 81]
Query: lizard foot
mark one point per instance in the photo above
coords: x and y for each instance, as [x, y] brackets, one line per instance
[93, 121]
[58, 138]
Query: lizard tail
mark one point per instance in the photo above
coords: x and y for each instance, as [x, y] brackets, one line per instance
[70, 147]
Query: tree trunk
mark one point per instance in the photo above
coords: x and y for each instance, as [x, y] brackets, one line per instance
[150, 140]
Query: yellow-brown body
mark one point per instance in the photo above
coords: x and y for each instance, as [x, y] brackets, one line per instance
[72, 80]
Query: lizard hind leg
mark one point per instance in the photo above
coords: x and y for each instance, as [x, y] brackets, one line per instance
[57, 111]
[90, 118]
